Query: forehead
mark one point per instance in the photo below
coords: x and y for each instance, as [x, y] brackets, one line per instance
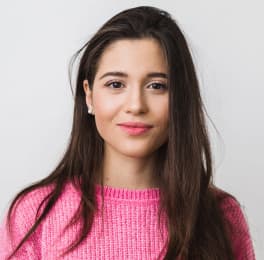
[135, 56]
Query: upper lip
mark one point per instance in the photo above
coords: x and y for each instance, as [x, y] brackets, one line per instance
[135, 124]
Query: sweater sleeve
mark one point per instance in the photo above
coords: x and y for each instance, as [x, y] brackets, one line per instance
[22, 218]
[240, 234]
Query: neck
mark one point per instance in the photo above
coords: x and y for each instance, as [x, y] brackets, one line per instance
[121, 171]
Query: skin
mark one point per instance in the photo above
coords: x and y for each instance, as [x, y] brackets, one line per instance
[129, 160]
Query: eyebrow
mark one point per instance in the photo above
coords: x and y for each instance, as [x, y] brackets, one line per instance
[125, 75]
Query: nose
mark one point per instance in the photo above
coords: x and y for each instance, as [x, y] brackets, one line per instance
[136, 102]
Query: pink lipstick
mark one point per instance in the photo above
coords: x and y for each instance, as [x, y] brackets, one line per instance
[135, 128]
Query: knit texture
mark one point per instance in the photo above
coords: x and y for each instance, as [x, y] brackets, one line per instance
[129, 230]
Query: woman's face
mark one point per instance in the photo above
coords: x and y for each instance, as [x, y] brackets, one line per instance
[131, 96]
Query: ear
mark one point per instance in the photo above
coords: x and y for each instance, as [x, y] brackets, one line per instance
[88, 93]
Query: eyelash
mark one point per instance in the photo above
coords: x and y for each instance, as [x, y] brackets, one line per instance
[158, 83]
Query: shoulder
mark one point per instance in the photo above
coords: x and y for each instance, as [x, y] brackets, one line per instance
[30, 205]
[25, 209]
[27, 205]
[22, 217]
[236, 219]
[233, 212]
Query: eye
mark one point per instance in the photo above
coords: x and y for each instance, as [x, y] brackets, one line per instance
[114, 84]
[118, 84]
[158, 86]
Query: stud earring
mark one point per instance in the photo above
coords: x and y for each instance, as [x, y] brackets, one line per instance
[90, 110]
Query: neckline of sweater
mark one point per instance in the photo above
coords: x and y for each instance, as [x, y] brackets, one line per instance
[127, 194]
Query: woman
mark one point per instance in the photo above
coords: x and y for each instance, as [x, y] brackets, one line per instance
[136, 179]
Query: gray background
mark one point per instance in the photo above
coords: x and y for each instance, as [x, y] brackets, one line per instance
[37, 41]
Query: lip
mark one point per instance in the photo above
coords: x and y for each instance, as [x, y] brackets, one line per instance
[135, 124]
[135, 128]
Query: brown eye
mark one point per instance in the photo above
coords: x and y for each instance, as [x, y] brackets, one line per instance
[158, 86]
[114, 84]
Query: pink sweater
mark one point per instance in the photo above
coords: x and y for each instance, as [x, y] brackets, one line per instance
[130, 227]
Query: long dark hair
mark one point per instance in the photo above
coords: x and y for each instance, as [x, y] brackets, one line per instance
[195, 222]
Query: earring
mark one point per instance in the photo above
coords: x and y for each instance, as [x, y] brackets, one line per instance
[90, 110]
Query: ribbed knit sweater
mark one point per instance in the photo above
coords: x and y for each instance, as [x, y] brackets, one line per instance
[130, 227]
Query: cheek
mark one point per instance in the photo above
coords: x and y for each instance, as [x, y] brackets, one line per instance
[104, 106]
[105, 110]
[161, 111]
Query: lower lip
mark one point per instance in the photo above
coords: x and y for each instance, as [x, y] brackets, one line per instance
[135, 130]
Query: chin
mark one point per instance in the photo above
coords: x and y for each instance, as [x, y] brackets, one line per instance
[137, 153]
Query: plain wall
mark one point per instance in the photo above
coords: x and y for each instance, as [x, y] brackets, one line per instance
[38, 39]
